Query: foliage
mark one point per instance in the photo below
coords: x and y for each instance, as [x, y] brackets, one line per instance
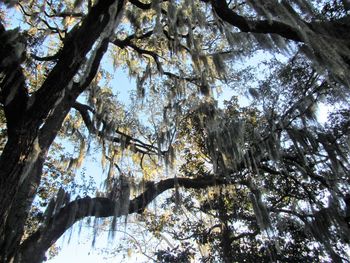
[254, 175]
[287, 175]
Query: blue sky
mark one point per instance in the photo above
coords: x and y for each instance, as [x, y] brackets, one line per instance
[80, 246]
[79, 249]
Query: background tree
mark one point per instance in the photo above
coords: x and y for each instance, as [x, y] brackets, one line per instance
[281, 165]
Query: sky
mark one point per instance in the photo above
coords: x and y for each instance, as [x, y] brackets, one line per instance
[80, 249]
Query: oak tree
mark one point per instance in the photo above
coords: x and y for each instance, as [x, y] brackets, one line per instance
[286, 172]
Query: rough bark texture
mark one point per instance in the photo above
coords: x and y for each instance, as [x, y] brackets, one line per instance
[33, 122]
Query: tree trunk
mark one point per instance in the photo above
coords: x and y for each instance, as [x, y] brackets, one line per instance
[13, 228]
[18, 160]
[33, 122]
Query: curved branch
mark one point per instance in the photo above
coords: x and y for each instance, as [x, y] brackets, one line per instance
[263, 26]
[335, 29]
[141, 5]
[65, 14]
[47, 58]
[127, 43]
[33, 248]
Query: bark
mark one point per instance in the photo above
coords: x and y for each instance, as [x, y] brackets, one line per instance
[13, 92]
[331, 29]
[27, 190]
[339, 29]
[15, 156]
[33, 248]
[33, 122]
[318, 37]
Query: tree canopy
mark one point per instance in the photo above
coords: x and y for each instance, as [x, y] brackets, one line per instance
[250, 176]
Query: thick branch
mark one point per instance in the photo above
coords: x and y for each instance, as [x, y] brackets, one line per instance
[13, 92]
[35, 246]
[47, 58]
[22, 157]
[331, 29]
[263, 26]
[141, 5]
[77, 45]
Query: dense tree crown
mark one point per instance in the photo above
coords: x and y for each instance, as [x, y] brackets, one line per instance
[263, 182]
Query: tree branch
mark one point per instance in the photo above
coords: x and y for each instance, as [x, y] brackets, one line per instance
[127, 43]
[33, 248]
[138, 145]
[77, 45]
[13, 91]
[47, 58]
[263, 26]
[54, 122]
[141, 5]
[331, 29]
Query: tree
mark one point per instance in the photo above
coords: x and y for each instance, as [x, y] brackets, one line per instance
[177, 51]
[276, 206]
